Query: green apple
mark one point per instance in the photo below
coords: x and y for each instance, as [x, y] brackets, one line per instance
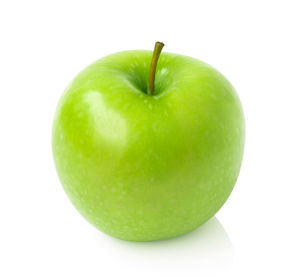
[144, 158]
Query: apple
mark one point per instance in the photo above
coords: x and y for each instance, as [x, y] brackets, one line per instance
[148, 146]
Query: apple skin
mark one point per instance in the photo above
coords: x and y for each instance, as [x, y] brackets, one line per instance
[141, 167]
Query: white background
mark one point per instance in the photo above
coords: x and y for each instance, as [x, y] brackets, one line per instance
[44, 44]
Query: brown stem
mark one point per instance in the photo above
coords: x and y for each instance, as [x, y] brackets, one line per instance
[157, 50]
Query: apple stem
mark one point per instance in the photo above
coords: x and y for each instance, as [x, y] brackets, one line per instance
[157, 50]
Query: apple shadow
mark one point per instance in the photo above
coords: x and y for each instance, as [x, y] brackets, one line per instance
[208, 245]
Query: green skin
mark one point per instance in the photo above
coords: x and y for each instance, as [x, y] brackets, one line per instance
[146, 167]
